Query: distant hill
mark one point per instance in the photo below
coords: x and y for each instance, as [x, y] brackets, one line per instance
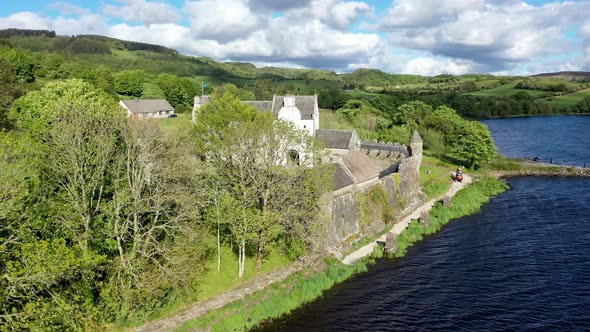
[566, 75]
[375, 77]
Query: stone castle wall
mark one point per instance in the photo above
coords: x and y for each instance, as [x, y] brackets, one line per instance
[350, 221]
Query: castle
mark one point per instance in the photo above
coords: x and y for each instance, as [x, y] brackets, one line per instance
[360, 168]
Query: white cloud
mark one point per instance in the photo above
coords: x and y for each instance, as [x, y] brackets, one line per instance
[335, 13]
[497, 35]
[26, 20]
[427, 66]
[222, 20]
[145, 12]
[272, 5]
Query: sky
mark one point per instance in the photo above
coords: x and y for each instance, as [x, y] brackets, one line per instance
[425, 37]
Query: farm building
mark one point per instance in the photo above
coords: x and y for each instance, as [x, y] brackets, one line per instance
[147, 108]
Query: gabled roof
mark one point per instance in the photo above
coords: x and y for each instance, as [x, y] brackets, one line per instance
[262, 106]
[341, 177]
[334, 139]
[360, 166]
[305, 104]
[147, 105]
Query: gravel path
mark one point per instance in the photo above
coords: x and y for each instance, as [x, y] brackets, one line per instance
[400, 226]
[238, 293]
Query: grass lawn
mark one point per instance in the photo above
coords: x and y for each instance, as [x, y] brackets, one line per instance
[181, 122]
[506, 90]
[213, 282]
[435, 176]
[359, 94]
[568, 100]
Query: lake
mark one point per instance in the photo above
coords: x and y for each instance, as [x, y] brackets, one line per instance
[550, 138]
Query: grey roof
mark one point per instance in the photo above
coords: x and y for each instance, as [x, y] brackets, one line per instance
[334, 139]
[305, 104]
[341, 177]
[360, 166]
[147, 105]
[262, 106]
[416, 138]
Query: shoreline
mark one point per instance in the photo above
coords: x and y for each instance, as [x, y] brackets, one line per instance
[243, 314]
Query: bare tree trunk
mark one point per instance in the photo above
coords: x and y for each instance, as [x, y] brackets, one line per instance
[218, 234]
[241, 258]
[260, 256]
[218, 247]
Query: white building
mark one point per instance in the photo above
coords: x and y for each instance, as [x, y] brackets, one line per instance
[302, 111]
[147, 108]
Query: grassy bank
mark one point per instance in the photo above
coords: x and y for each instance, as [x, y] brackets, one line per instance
[276, 300]
[466, 202]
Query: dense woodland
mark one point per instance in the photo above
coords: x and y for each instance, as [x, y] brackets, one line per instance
[108, 220]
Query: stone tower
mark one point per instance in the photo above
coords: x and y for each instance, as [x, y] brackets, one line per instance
[199, 101]
[416, 144]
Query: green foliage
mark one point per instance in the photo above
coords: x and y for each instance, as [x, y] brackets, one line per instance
[96, 213]
[583, 106]
[9, 90]
[374, 206]
[231, 89]
[474, 144]
[129, 82]
[179, 91]
[22, 63]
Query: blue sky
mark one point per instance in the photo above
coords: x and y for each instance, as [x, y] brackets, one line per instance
[427, 37]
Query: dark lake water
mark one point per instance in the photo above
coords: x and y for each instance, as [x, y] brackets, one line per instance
[556, 138]
[522, 264]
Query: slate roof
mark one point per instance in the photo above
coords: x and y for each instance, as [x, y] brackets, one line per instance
[147, 105]
[305, 104]
[262, 106]
[360, 166]
[334, 139]
[341, 177]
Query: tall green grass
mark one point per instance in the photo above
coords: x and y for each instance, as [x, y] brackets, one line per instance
[467, 201]
[274, 301]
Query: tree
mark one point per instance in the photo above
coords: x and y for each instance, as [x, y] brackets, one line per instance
[155, 200]
[97, 214]
[412, 114]
[104, 80]
[233, 90]
[130, 82]
[79, 126]
[264, 89]
[22, 63]
[8, 92]
[474, 144]
[72, 130]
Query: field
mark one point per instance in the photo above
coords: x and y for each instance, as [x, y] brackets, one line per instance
[568, 100]
[506, 90]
